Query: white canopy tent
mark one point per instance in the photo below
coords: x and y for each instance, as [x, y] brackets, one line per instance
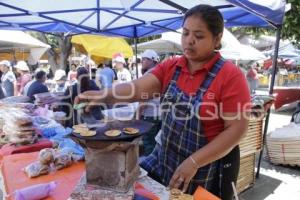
[287, 51]
[232, 49]
[170, 42]
[22, 41]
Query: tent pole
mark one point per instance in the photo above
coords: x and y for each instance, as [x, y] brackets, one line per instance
[274, 70]
[135, 39]
[90, 68]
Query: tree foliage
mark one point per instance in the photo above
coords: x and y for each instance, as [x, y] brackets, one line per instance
[60, 49]
[291, 26]
[144, 39]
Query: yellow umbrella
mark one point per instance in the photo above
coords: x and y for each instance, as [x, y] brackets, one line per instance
[101, 48]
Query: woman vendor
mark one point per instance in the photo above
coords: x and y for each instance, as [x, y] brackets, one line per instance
[205, 101]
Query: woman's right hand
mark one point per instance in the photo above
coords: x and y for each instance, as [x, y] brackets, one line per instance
[91, 95]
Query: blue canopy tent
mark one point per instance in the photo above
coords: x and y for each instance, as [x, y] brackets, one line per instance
[128, 18]
[134, 18]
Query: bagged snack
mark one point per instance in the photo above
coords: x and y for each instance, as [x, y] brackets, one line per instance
[36, 169]
[62, 160]
[23, 121]
[34, 192]
[22, 139]
[16, 99]
[18, 126]
[46, 156]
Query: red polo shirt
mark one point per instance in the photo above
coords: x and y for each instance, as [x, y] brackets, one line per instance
[228, 92]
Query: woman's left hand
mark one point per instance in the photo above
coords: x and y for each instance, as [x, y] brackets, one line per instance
[183, 174]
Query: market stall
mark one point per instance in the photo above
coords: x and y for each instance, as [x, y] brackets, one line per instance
[21, 46]
[130, 20]
[101, 48]
[37, 149]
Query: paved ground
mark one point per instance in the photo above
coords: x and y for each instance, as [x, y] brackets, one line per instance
[275, 182]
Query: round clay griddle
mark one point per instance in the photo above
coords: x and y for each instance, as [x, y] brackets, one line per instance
[143, 127]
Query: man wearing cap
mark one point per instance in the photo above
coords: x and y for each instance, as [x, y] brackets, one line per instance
[150, 110]
[123, 74]
[60, 79]
[8, 78]
[149, 60]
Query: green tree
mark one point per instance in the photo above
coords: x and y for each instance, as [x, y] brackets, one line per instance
[60, 49]
[291, 26]
[144, 39]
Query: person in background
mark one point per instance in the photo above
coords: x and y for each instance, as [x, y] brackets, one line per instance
[1, 91]
[150, 110]
[83, 84]
[123, 73]
[105, 76]
[72, 74]
[252, 78]
[60, 79]
[134, 63]
[91, 67]
[25, 91]
[93, 72]
[8, 79]
[38, 86]
[205, 109]
[24, 78]
[149, 60]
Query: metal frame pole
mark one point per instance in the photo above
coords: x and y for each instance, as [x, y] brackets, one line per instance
[135, 39]
[274, 71]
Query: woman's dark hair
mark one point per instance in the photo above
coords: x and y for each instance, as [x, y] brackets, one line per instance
[83, 78]
[210, 15]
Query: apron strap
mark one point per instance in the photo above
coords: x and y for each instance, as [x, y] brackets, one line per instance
[209, 78]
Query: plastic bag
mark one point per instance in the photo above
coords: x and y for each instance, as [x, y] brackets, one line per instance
[46, 126]
[36, 169]
[62, 160]
[35, 192]
[14, 116]
[22, 139]
[46, 156]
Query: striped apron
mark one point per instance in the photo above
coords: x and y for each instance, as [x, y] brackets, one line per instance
[182, 134]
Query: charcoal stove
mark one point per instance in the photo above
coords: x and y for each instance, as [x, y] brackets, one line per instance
[112, 163]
